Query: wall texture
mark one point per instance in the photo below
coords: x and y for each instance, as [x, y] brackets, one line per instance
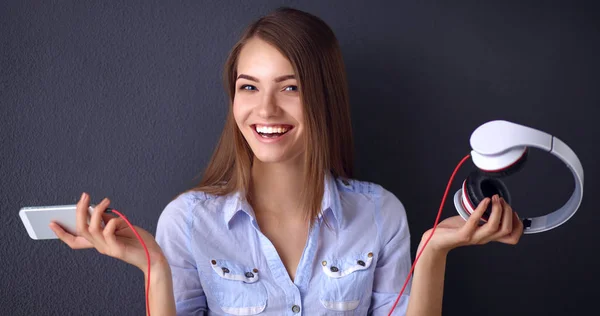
[123, 99]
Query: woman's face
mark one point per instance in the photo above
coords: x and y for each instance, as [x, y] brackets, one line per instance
[267, 106]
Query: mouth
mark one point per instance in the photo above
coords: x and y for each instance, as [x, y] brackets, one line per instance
[272, 131]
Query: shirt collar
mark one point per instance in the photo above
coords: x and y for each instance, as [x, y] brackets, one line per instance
[236, 203]
[330, 205]
[331, 202]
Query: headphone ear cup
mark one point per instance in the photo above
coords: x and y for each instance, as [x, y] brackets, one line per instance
[479, 185]
[512, 169]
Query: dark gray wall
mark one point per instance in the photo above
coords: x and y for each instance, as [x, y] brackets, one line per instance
[125, 100]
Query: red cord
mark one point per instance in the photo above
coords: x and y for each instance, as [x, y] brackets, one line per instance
[145, 249]
[405, 282]
[433, 231]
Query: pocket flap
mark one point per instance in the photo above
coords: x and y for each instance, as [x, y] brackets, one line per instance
[234, 271]
[236, 289]
[338, 268]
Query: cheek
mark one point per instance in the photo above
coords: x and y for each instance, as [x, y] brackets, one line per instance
[238, 113]
[295, 110]
[299, 114]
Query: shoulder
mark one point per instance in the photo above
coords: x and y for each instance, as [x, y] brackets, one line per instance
[386, 207]
[380, 195]
[183, 208]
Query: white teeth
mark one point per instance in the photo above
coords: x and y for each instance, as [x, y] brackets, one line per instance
[271, 129]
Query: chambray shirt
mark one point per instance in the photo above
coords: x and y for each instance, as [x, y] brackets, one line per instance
[222, 264]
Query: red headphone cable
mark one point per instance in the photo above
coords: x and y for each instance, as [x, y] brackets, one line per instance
[145, 249]
[405, 282]
[433, 231]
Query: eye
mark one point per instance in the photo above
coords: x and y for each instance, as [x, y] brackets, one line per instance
[247, 87]
[291, 88]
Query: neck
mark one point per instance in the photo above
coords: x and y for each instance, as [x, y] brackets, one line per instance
[276, 188]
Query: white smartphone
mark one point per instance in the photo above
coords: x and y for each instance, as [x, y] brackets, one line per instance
[37, 218]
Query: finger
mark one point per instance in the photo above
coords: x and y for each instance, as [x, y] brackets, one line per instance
[516, 233]
[107, 217]
[109, 236]
[505, 224]
[518, 229]
[121, 225]
[82, 217]
[507, 219]
[489, 230]
[473, 222]
[96, 219]
[95, 225]
[71, 241]
[494, 220]
[519, 223]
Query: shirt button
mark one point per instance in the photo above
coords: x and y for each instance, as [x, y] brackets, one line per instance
[295, 308]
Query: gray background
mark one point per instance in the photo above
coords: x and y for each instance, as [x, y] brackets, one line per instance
[124, 99]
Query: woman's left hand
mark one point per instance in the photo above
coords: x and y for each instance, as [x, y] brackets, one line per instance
[502, 226]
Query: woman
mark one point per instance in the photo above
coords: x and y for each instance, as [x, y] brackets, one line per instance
[277, 225]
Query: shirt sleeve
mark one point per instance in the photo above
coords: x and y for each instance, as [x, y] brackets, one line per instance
[394, 262]
[173, 236]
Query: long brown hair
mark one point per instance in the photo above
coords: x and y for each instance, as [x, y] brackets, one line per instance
[313, 50]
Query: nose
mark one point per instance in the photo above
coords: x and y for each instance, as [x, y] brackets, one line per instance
[268, 106]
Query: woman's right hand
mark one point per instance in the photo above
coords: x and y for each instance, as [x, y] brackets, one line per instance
[115, 239]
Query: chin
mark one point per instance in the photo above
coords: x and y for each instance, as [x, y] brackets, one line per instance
[276, 156]
[270, 158]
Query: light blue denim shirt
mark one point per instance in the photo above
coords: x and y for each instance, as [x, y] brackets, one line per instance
[223, 265]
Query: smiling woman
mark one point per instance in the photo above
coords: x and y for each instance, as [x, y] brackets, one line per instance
[277, 225]
[286, 71]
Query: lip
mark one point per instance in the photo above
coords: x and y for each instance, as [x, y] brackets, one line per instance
[270, 140]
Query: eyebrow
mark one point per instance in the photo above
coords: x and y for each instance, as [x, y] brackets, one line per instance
[278, 79]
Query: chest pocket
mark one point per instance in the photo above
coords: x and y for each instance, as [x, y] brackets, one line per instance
[237, 288]
[345, 281]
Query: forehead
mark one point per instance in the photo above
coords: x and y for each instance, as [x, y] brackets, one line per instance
[261, 59]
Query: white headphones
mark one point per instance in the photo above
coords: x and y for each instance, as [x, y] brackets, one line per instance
[500, 148]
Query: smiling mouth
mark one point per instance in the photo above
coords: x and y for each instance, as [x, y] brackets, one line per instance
[271, 131]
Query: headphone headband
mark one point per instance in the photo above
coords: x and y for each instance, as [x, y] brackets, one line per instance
[497, 143]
